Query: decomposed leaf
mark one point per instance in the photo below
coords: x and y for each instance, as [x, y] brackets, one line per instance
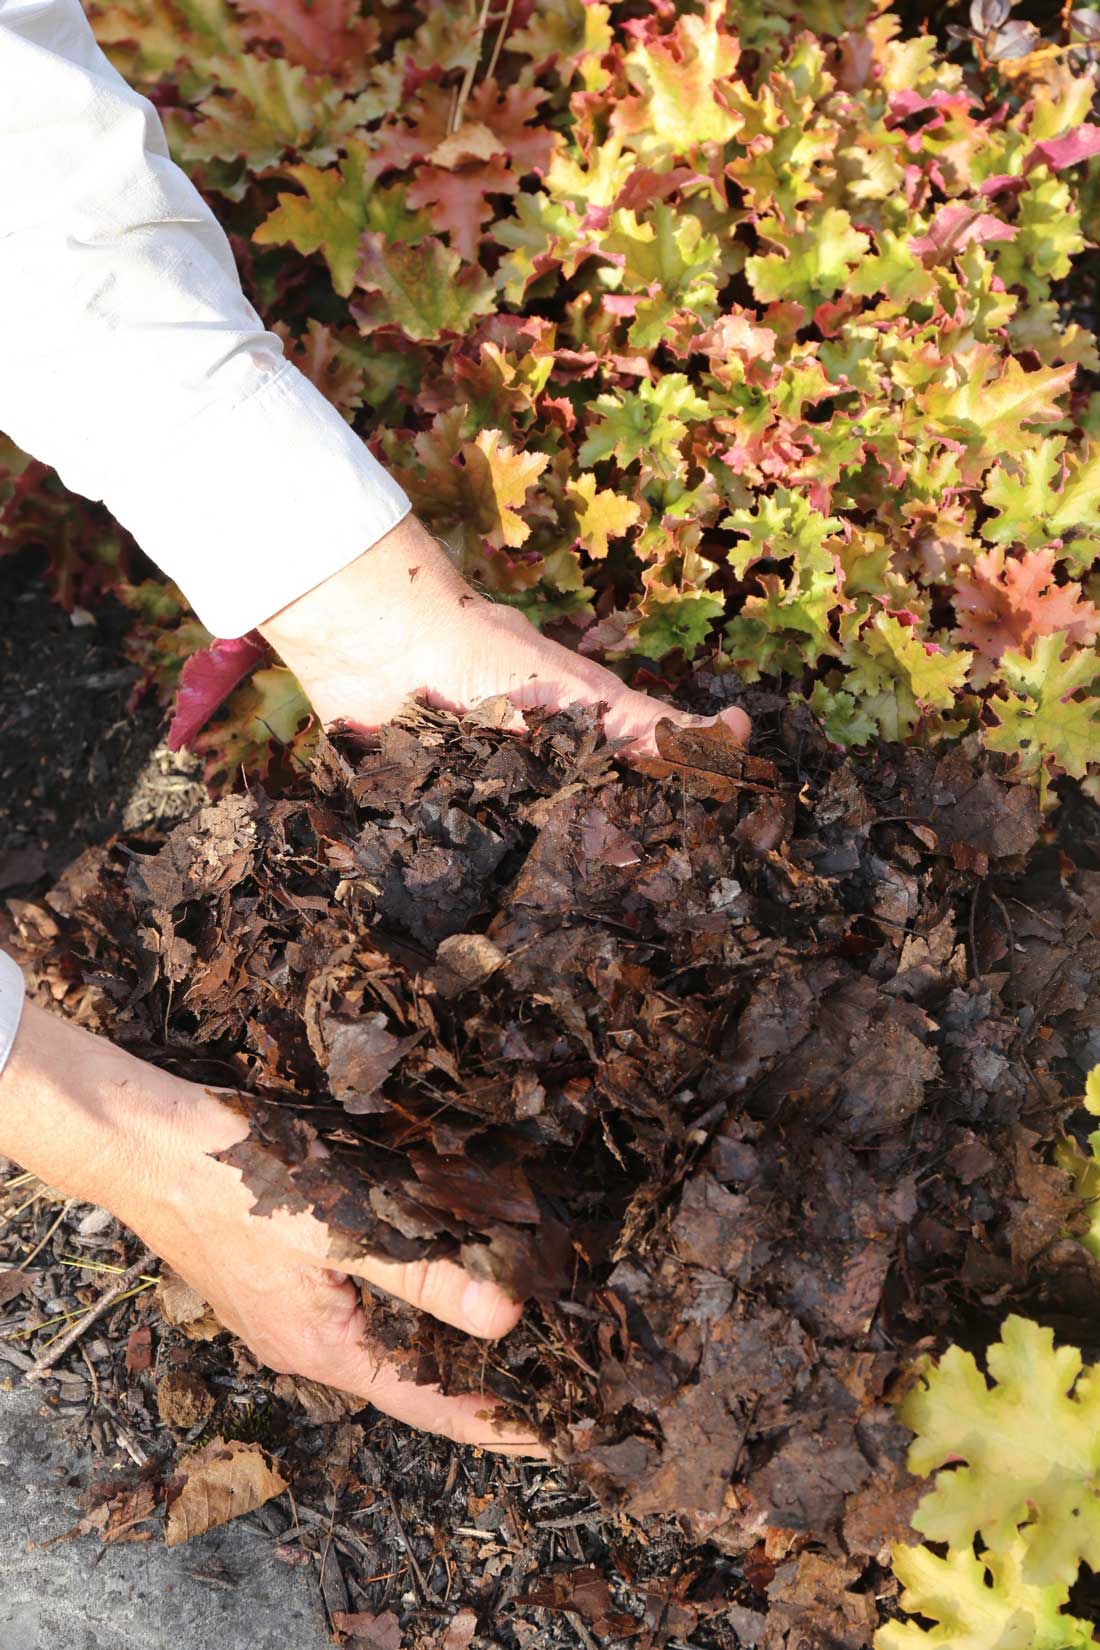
[218, 1482]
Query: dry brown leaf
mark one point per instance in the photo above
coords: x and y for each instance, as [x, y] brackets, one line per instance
[185, 1308]
[219, 1482]
[460, 1630]
[369, 1632]
[13, 1281]
[709, 760]
[324, 1405]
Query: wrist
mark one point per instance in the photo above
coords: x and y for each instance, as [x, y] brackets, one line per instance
[404, 583]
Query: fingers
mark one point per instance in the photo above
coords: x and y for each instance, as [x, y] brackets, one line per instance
[634, 716]
[341, 1358]
[447, 1291]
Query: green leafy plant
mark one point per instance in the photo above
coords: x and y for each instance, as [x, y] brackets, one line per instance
[744, 331]
[1019, 1474]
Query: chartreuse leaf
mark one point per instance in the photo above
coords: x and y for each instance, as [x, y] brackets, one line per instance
[783, 523]
[1040, 720]
[1084, 1167]
[899, 676]
[979, 1604]
[672, 261]
[676, 619]
[1049, 494]
[575, 33]
[1048, 236]
[1075, 511]
[1029, 1446]
[425, 290]
[538, 236]
[815, 262]
[151, 39]
[841, 716]
[263, 107]
[602, 514]
[647, 423]
[1023, 495]
[337, 207]
[991, 410]
[784, 132]
[681, 79]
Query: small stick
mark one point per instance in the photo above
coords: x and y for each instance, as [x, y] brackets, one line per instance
[45, 1363]
[38, 1248]
[91, 1371]
[425, 1591]
[468, 78]
[506, 18]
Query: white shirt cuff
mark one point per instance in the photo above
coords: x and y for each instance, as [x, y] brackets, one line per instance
[252, 503]
[12, 992]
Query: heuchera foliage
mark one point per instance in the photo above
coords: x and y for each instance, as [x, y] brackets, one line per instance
[1024, 1458]
[736, 329]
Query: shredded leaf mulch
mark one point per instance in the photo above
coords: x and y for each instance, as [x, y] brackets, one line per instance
[742, 1069]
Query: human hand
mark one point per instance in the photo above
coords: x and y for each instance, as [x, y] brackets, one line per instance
[96, 1123]
[400, 620]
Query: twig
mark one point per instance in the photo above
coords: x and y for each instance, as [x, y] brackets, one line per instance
[38, 1248]
[6, 1220]
[90, 1366]
[128, 1441]
[414, 1563]
[576, 1620]
[45, 1363]
[468, 78]
[975, 967]
[506, 18]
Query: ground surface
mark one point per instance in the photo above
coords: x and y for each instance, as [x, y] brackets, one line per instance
[72, 759]
[76, 762]
[225, 1589]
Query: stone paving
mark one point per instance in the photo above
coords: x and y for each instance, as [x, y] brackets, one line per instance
[226, 1591]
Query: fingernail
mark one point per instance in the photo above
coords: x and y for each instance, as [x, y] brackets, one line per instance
[481, 1306]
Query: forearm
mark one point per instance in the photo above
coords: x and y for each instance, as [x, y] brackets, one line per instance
[88, 1118]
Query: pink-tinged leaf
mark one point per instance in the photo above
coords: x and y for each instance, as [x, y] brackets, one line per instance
[955, 227]
[1001, 183]
[208, 679]
[1080, 144]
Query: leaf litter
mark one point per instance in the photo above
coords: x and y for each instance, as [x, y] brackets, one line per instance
[741, 1070]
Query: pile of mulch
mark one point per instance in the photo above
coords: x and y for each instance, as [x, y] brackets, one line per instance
[743, 1070]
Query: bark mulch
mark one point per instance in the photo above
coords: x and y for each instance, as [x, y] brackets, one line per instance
[743, 1070]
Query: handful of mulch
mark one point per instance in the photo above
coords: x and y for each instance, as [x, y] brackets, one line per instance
[739, 1070]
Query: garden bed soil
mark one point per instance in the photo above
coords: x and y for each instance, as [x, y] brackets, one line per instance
[744, 1071]
[78, 758]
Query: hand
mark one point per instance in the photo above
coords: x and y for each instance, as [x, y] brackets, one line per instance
[400, 620]
[137, 1140]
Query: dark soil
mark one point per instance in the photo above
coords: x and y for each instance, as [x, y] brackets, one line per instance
[744, 1072]
[72, 748]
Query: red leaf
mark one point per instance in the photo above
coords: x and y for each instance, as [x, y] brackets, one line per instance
[1010, 603]
[139, 1351]
[322, 35]
[955, 226]
[209, 677]
[1080, 144]
[457, 202]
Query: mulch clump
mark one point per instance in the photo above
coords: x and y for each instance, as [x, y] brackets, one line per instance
[743, 1070]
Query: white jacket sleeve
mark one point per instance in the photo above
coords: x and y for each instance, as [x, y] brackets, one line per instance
[131, 360]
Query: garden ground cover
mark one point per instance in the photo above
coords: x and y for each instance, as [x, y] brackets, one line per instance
[745, 1070]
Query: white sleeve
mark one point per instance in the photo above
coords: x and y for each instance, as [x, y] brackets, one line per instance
[11, 1004]
[132, 362]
